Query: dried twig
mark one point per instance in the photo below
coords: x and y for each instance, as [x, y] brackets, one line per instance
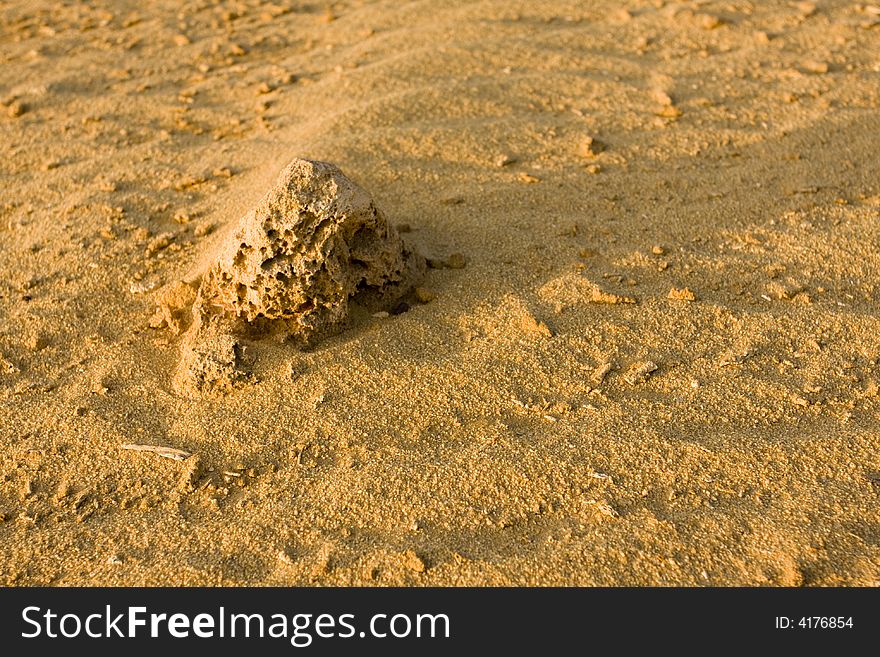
[166, 452]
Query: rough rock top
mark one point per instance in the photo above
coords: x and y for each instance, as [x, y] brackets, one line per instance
[293, 265]
[314, 242]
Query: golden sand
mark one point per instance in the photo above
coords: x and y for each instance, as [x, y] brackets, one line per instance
[645, 354]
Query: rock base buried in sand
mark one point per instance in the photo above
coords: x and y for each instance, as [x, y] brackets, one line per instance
[315, 244]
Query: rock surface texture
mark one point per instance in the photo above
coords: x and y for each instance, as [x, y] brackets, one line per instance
[293, 265]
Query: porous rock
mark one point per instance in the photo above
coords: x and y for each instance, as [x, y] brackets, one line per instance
[315, 244]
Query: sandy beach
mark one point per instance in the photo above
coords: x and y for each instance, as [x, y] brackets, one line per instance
[644, 350]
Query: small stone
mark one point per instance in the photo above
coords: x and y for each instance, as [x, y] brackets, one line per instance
[7, 366]
[16, 109]
[730, 357]
[181, 40]
[173, 303]
[182, 217]
[413, 561]
[159, 243]
[203, 230]
[661, 97]
[593, 169]
[142, 287]
[785, 289]
[504, 160]
[669, 112]
[682, 294]
[456, 261]
[658, 250]
[640, 372]
[424, 295]
[527, 178]
[814, 66]
[709, 22]
[590, 147]
[806, 9]
[598, 295]
[601, 371]
[37, 342]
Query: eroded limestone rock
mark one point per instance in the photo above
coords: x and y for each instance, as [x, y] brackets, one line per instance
[315, 244]
[211, 357]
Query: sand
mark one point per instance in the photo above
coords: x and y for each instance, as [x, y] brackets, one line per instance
[645, 353]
